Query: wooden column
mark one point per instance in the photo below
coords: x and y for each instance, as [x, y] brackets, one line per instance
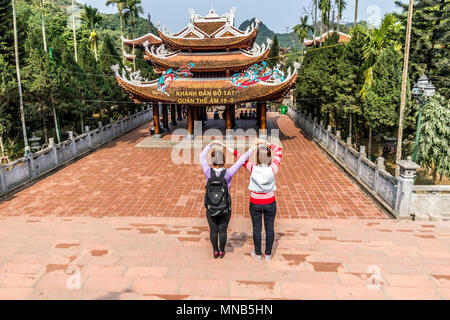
[228, 120]
[190, 120]
[258, 114]
[263, 117]
[233, 116]
[195, 113]
[179, 116]
[173, 115]
[165, 115]
[156, 118]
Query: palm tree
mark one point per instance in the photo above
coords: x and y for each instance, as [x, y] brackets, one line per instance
[356, 11]
[92, 17]
[302, 29]
[341, 5]
[315, 3]
[133, 8]
[19, 83]
[325, 8]
[44, 38]
[120, 8]
[378, 40]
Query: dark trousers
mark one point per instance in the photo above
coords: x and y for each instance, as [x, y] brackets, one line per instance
[258, 212]
[218, 227]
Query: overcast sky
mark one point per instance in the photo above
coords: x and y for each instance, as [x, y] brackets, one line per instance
[276, 14]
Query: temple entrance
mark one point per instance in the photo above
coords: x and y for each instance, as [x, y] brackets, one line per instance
[242, 116]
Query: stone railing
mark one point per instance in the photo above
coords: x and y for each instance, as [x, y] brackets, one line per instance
[17, 173]
[430, 202]
[398, 196]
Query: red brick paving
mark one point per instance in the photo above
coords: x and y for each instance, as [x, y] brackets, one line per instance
[120, 180]
[161, 265]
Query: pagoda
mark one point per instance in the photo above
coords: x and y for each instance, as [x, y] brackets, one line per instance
[210, 62]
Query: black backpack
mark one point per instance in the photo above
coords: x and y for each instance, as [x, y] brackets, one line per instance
[217, 198]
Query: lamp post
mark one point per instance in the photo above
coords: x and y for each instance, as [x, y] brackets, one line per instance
[422, 91]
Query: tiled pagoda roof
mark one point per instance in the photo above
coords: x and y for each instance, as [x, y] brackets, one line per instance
[207, 62]
[193, 91]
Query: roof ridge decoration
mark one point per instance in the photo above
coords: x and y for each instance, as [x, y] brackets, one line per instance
[227, 18]
[257, 50]
[263, 75]
[135, 76]
[160, 52]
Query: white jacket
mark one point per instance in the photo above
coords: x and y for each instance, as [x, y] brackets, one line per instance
[262, 179]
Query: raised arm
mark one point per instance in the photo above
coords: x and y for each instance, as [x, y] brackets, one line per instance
[277, 154]
[247, 164]
[204, 163]
[235, 167]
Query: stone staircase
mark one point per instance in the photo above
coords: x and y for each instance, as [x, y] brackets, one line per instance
[171, 258]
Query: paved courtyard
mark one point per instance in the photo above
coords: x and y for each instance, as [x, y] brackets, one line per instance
[170, 258]
[120, 180]
[126, 223]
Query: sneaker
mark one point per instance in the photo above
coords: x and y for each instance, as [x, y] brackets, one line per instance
[268, 257]
[216, 254]
[255, 256]
[221, 254]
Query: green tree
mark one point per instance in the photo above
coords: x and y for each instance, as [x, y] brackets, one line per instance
[382, 101]
[19, 80]
[120, 8]
[430, 35]
[109, 88]
[41, 84]
[340, 5]
[350, 78]
[378, 41]
[434, 142]
[274, 53]
[92, 17]
[7, 96]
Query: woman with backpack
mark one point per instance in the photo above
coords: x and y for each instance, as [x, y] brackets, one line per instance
[262, 194]
[217, 197]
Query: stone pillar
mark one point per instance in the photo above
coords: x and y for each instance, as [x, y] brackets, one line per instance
[380, 166]
[72, 142]
[336, 142]
[3, 185]
[362, 154]
[156, 120]
[405, 184]
[51, 144]
[179, 115]
[190, 121]
[165, 115]
[173, 115]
